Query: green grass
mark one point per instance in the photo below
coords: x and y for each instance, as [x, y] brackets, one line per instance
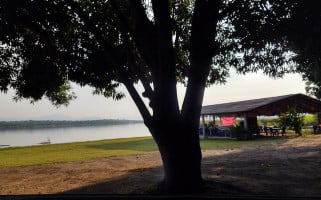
[79, 151]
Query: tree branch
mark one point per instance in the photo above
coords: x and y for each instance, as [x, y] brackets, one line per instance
[108, 50]
[137, 68]
[143, 33]
[165, 83]
[139, 103]
[202, 50]
[125, 27]
[164, 36]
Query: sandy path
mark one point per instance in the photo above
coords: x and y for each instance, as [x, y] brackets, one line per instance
[289, 168]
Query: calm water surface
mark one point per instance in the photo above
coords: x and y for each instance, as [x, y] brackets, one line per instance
[28, 137]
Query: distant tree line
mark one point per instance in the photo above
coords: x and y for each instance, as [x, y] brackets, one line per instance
[308, 120]
[5, 125]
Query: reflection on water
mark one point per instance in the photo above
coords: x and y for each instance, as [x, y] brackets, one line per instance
[28, 137]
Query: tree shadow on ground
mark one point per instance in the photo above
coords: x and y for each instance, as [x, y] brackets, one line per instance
[259, 170]
[269, 170]
[134, 182]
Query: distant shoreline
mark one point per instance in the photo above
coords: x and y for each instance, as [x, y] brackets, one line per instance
[45, 124]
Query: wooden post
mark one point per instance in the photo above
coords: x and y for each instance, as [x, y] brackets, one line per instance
[246, 127]
[203, 127]
[319, 122]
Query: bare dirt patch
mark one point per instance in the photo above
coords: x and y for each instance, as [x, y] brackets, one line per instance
[289, 168]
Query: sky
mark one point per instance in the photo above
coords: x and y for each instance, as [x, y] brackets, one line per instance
[89, 107]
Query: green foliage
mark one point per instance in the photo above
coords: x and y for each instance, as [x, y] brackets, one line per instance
[293, 119]
[268, 121]
[238, 131]
[310, 120]
[304, 35]
[62, 96]
[235, 130]
[46, 44]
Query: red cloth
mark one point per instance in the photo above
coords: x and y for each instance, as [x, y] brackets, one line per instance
[228, 121]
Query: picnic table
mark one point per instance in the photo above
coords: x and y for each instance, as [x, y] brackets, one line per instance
[273, 130]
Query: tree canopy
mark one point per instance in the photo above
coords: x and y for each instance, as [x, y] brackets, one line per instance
[305, 35]
[102, 44]
[44, 44]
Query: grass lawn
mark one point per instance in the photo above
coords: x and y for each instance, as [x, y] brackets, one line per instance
[78, 151]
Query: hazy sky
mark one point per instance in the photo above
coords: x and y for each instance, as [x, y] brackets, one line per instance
[88, 106]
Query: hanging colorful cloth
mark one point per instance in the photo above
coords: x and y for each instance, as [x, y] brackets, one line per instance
[228, 121]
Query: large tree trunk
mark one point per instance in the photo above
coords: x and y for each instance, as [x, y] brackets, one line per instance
[181, 155]
[176, 130]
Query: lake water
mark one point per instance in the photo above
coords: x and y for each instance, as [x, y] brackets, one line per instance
[28, 137]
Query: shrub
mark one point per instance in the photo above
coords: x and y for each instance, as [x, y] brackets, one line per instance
[293, 119]
[239, 132]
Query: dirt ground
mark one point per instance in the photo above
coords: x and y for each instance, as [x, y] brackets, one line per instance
[291, 168]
